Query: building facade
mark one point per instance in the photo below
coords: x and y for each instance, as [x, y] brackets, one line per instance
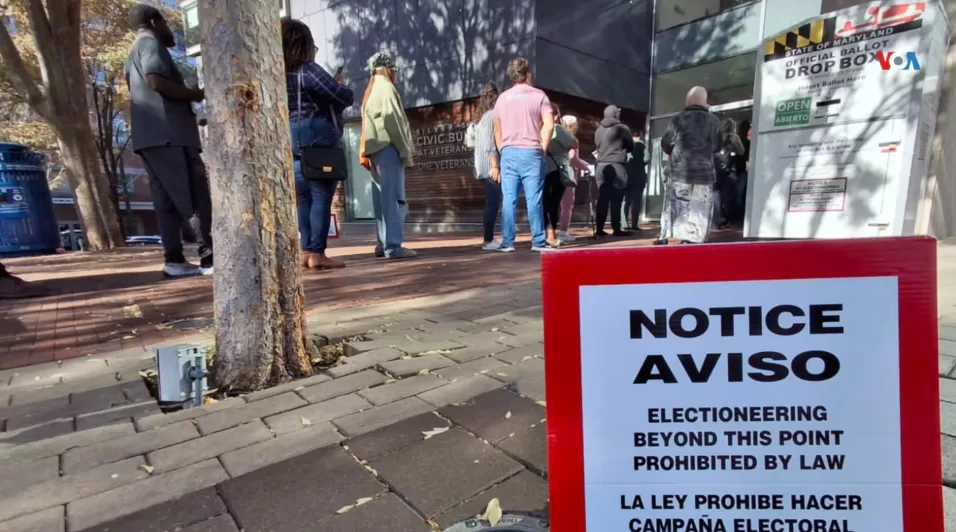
[642, 55]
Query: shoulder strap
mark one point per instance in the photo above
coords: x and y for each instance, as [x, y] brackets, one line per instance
[299, 106]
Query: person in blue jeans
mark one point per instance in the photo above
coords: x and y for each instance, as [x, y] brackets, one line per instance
[523, 124]
[487, 161]
[316, 102]
[386, 149]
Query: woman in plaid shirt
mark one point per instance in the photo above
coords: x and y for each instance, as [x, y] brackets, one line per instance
[316, 102]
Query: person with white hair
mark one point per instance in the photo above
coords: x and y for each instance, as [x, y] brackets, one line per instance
[559, 176]
[692, 140]
[578, 165]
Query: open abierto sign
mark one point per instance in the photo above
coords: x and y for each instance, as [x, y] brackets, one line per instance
[771, 387]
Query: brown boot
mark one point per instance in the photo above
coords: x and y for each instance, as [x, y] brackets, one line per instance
[320, 262]
[304, 259]
[12, 287]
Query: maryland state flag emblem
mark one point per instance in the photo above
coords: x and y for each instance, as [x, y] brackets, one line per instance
[810, 34]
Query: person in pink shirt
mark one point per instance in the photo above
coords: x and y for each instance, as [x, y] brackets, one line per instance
[570, 122]
[523, 126]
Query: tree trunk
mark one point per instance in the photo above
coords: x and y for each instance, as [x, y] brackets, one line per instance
[90, 186]
[260, 327]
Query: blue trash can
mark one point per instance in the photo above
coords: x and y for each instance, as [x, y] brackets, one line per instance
[27, 223]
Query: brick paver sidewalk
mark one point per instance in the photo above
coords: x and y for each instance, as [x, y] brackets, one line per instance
[119, 300]
[438, 405]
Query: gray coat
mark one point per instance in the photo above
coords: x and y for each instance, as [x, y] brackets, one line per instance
[691, 140]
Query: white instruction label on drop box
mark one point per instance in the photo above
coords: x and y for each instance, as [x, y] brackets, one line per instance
[752, 406]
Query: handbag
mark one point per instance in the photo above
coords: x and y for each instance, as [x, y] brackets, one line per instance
[322, 163]
[567, 174]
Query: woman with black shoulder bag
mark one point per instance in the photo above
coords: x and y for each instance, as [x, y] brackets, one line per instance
[559, 176]
[316, 102]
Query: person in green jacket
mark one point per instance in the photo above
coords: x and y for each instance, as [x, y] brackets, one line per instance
[386, 150]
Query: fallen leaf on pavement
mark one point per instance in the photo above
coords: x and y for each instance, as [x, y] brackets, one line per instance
[345, 508]
[424, 372]
[146, 468]
[434, 432]
[306, 422]
[128, 337]
[389, 381]
[209, 400]
[362, 501]
[508, 415]
[542, 403]
[492, 513]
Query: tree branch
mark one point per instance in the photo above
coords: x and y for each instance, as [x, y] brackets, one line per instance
[44, 41]
[17, 73]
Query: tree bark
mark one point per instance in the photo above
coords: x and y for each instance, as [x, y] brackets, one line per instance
[259, 301]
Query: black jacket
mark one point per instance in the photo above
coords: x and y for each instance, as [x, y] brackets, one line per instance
[613, 139]
[692, 139]
[636, 167]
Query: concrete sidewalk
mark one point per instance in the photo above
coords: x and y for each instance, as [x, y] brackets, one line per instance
[434, 380]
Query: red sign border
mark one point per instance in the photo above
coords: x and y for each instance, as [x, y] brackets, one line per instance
[912, 260]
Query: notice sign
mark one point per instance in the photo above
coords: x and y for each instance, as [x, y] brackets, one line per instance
[817, 195]
[778, 387]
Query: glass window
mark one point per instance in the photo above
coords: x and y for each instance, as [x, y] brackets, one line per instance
[191, 23]
[672, 13]
[726, 80]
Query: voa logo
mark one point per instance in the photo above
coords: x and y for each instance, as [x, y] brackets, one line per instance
[905, 61]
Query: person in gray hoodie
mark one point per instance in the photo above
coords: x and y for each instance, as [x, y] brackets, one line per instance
[692, 140]
[614, 141]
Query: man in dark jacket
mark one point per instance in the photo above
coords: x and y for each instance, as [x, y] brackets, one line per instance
[636, 181]
[613, 140]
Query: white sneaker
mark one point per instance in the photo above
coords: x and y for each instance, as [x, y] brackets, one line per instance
[180, 269]
[506, 249]
[206, 271]
[491, 246]
[539, 249]
[565, 236]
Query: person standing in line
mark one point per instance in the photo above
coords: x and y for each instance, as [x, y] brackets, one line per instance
[725, 167]
[316, 99]
[692, 140]
[636, 181]
[386, 150]
[165, 134]
[523, 125]
[559, 172]
[578, 165]
[482, 138]
[614, 141]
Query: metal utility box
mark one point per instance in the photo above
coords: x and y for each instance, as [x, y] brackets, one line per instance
[181, 374]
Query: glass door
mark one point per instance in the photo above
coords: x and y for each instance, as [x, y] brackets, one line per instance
[359, 201]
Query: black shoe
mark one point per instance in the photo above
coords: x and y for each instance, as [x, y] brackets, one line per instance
[636, 228]
[621, 232]
[660, 242]
[601, 234]
[379, 252]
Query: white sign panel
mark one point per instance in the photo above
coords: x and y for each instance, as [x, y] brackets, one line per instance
[749, 406]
